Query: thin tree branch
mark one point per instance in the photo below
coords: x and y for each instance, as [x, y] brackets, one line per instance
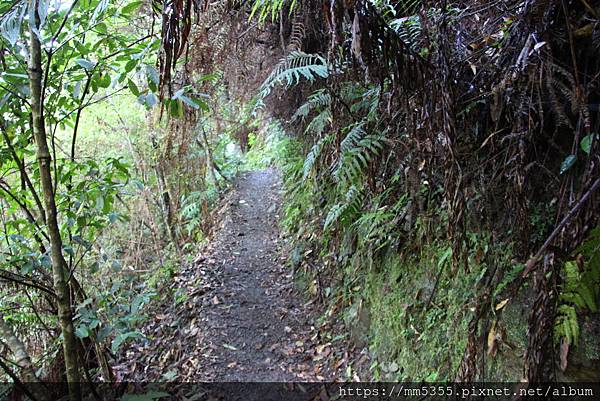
[532, 262]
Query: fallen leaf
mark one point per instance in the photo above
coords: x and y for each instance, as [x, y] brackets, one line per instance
[495, 338]
[564, 353]
[501, 304]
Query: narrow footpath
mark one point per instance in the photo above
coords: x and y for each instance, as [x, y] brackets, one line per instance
[241, 318]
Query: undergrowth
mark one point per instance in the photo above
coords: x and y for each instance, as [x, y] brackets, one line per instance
[399, 294]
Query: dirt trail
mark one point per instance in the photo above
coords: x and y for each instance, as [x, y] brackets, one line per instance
[242, 319]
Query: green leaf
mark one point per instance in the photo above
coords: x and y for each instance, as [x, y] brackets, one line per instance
[586, 143]
[82, 331]
[113, 217]
[213, 77]
[131, 65]
[334, 214]
[152, 74]
[176, 108]
[170, 376]
[104, 81]
[88, 65]
[137, 303]
[101, 27]
[445, 256]
[77, 90]
[133, 87]
[131, 7]
[587, 296]
[81, 48]
[202, 104]
[121, 338]
[94, 85]
[567, 163]
[100, 202]
[178, 94]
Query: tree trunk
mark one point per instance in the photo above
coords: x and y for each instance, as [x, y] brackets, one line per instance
[17, 348]
[210, 162]
[22, 359]
[167, 205]
[58, 262]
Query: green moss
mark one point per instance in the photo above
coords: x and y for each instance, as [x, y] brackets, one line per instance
[424, 338]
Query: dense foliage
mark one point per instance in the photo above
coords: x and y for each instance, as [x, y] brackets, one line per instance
[440, 162]
[450, 149]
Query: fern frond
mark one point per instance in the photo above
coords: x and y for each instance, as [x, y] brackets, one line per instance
[319, 123]
[298, 32]
[580, 288]
[270, 8]
[343, 211]
[318, 100]
[363, 101]
[292, 68]
[356, 133]
[314, 154]
[354, 160]
[566, 324]
[375, 228]
[409, 6]
[408, 29]
[334, 214]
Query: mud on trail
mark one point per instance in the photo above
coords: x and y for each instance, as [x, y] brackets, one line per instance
[242, 318]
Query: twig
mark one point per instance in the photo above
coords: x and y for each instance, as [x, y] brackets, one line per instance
[532, 262]
[17, 382]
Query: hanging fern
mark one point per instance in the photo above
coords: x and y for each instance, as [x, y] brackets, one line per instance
[313, 155]
[292, 68]
[343, 211]
[334, 214]
[298, 32]
[408, 29]
[367, 102]
[319, 100]
[566, 324]
[270, 8]
[356, 133]
[375, 228]
[319, 123]
[354, 160]
[580, 289]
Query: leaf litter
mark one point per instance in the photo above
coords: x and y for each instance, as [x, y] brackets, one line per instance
[242, 318]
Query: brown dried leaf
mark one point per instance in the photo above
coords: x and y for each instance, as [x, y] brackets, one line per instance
[501, 304]
[564, 353]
